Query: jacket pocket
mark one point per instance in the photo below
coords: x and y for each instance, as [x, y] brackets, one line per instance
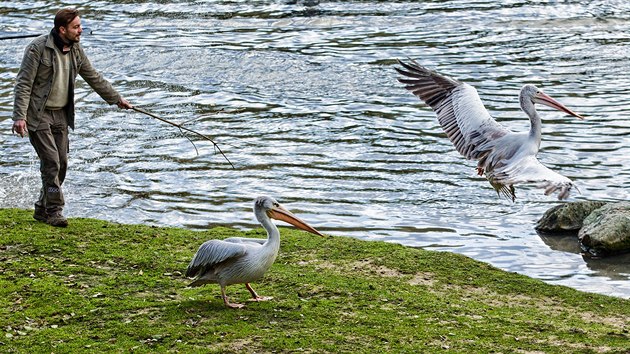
[44, 71]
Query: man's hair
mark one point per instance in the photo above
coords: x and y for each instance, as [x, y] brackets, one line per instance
[64, 17]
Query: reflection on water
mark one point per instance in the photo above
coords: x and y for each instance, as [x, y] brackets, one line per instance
[614, 267]
[305, 103]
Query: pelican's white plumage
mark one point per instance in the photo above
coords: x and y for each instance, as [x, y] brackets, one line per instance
[241, 260]
[505, 157]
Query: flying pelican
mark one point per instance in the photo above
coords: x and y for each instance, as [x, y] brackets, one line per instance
[505, 157]
[241, 260]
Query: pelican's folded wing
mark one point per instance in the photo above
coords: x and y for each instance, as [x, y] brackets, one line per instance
[530, 170]
[459, 109]
[211, 253]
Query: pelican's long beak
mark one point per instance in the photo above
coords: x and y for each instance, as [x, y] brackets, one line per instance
[543, 98]
[280, 213]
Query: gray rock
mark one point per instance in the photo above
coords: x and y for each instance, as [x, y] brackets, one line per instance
[566, 217]
[607, 230]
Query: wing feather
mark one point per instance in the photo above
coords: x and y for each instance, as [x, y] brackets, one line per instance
[459, 109]
[530, 170]
[211, 253]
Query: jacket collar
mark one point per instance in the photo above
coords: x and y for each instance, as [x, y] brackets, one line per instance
[59, 43]
[50, 43]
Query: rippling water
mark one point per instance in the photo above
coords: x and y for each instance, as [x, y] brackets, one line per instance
[304, 101]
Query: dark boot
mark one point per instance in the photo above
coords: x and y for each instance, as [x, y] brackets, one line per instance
[57, 219]
[40, 214]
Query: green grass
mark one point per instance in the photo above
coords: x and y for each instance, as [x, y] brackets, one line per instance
[103, 287]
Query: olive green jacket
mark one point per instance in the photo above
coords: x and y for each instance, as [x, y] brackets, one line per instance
[35, 77]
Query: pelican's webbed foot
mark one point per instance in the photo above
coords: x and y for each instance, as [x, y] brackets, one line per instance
[261, 298]
[233, 306]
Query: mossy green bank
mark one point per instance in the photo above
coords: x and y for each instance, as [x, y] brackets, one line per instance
[98, 286]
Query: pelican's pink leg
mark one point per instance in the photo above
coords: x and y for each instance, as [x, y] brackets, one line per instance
[227, 303]
[255, 296]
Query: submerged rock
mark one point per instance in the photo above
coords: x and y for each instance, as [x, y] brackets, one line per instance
[607, 230]
[566, 217]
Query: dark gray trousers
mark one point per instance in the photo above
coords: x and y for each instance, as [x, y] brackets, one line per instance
[50, 141]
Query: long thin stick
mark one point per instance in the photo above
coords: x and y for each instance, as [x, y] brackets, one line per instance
[186, 129]
[20, 36]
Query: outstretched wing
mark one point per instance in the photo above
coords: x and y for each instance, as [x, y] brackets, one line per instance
[211, 253]
[459, 109]
[530, 170]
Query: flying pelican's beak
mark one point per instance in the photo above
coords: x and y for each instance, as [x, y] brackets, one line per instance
[280, 213]
[543, 98]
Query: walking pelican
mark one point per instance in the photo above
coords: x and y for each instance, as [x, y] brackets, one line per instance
[241, 260]
[505, 157]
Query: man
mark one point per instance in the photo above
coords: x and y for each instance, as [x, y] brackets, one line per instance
[44, 105]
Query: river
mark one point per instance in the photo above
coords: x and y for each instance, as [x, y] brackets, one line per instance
[304, 102]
